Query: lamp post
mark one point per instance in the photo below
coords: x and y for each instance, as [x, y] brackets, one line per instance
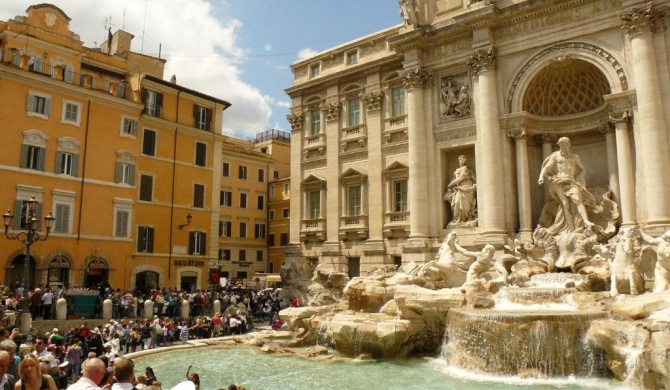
[30, 236]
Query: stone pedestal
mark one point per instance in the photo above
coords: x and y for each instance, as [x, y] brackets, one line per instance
[217, 306]
[148, 308]
[61, 309]
[185, 310]
[107, 309]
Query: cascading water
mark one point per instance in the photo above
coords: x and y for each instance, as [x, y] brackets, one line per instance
[528, 344]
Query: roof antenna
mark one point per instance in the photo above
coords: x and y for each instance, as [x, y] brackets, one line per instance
[146, 6]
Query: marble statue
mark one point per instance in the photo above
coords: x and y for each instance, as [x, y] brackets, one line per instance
[462, 105]
[456, 100]
[445, 264]
[661, 246]
[565, 174]
[408, 12]
[449, 96]
[482, 263]
[461, 194]
[625, 272]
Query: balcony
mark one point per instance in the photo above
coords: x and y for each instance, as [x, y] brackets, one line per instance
[396, 224]
[37, 65]
[395, 129]
[353, 227]
[313, 230]
[315, 141]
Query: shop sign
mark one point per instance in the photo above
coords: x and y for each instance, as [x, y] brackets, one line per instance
[97, 263]
[189, 263]
[59, 262]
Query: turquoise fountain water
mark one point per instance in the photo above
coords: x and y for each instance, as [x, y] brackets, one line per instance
[219, 367]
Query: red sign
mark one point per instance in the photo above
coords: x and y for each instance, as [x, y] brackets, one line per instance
[214, 276]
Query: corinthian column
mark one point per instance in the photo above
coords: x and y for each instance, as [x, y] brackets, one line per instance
[625, 167]
[640, 24]
[490, 176]
[415, 81]
[523, 180]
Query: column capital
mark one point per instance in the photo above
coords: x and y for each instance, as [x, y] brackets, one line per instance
[373, 100]
[332, 111]
[296, 121]
[620, 117]
[607, 128]
[642, 20]
[418, 77]
[483, 60]
[547, 138]
[518, 134]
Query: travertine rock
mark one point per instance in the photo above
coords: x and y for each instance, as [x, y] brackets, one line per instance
[641, 306]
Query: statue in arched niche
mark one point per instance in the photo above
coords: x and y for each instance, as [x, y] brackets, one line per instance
[462, 195]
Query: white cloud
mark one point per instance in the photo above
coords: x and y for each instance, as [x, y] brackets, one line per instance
[306, 53]
[200, 50]
[279, 103]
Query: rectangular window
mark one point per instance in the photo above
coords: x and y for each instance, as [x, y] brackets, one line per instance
[21, 208]
[243, 229]
[354, 200]
[285, 213]
[196, 243]
[275, 174]
[354, 107]
[314, 204]
[272, 191]
[145, 239]
[286, 189]
[146, 188]
[314, 122]
[200, 154]
[283, 239]
[220, 228]
[125, 173]
[226, 198]
[202, 117]
[315, 70]
[71, 112]
[397, 101]
[227, 229]
[32, 157]
[260, 202]
[152, 102]
[129, 126]
[149, 142]
[199, 196]
[261, 175]
[271, 240]
[242, 174]
[67, 163]
[271, 215]
[259, 230]
[122, 219]
[354, 267]
[352, 57]
[225, 170]
[243, 255]
[243, 200]
[225, 254]
[259, 255]
[38, 104]
[400, 195]
[62, 222]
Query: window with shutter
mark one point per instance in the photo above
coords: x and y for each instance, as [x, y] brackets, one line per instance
[199, 196]
[145, 239]
[243, 200]
[146, 188]
[62, 222]
[243, 229]
[149, 142]
[225, 170]
[260, 202]
[200, 154]
[243, 172]
[121, 228]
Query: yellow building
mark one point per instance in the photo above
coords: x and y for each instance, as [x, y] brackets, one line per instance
[118, 155]
[247, 169]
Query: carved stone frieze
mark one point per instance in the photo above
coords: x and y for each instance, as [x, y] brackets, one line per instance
[467, 131]
[296, 121]
[563, 46]
[332, 61]
[626, 101]
[300, 72]
[455, 99]
[640, 20]
[483, 60]
[621, 116]
[539, 125]
[417, 78]
[372, 47]
[373, 100]
[332, 111]
[518, 134]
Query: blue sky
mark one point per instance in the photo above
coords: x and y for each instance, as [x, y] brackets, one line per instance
[237, 50]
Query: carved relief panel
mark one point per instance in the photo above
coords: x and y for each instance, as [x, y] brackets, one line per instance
[455, 98]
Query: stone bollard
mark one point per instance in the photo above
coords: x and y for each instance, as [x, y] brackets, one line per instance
[61, 309]
[217, 307]
[148, 308]
[11, 318]
[107, 309]
[26, 322]
[185, 309]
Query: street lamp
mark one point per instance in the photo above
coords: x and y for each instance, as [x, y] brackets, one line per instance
[30, 236]
[189, 217]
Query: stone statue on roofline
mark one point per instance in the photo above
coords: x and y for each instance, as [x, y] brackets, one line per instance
[409, 12]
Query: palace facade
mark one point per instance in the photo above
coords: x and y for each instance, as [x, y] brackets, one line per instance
[385, 127]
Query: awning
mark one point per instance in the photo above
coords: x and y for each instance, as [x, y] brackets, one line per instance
[273, 278]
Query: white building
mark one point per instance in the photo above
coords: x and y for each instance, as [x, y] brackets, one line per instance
[378, 124]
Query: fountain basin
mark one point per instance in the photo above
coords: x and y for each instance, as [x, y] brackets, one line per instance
[534, 299]
[538, 344]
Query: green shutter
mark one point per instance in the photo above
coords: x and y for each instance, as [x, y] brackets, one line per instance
[203, 243]
[159, 104]
[75, 165]
[144, 100]
[24, 156]
[119, 173]
[59, 162]
[150, 240]
[208, 119]
[47, 106]
[136, 126]
[38, 216]
[196, 110]
[191, 243]
[30, 104]
[41, 159]
[18, 206]
[131, 179]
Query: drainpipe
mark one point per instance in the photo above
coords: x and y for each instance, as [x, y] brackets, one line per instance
[174, 173]
[83, 169]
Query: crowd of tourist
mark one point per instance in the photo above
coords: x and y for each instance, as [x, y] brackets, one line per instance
[91, 356]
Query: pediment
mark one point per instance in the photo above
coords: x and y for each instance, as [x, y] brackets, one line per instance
[313, 179]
